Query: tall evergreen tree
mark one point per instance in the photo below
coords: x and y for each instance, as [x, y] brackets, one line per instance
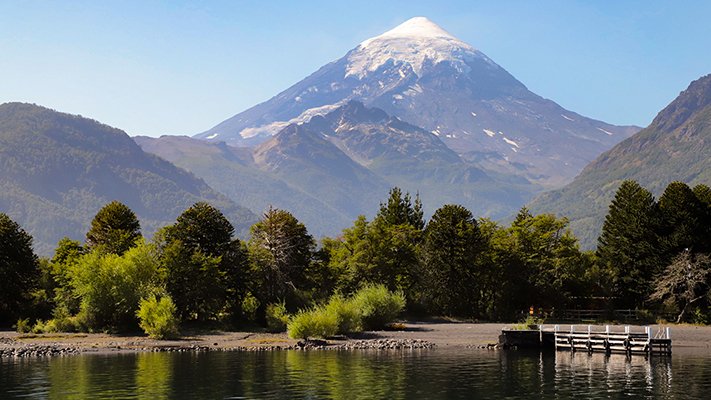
[628, 246]
[206, 267]
[681, 215]
[115, 227]
[452, 245]
[399, 210]
[18, 267]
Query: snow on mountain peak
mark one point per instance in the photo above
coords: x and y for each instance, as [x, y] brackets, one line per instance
[412, 43]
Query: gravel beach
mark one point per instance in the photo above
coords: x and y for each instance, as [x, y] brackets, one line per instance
[415, 335]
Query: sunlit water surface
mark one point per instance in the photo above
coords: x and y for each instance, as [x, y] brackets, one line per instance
[412, 374]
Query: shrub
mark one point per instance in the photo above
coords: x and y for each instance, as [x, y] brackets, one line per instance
[316, 322]
[158, 317]
[378, 306]
[23, 325]
[250, 304]
[39, 327]
[347, 314]
[277, 317]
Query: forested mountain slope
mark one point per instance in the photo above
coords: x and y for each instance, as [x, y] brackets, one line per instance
[57, 170]
[675, 146]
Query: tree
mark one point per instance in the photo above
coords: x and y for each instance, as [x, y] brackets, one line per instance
[110, 286]
[628, 246]
[18, 267]
[202, 226]
[206, 267]
[115, 228]
[452, 246]
[282, 250]
[684, 282]
[548, 257]
[399, 210]
[681, 227]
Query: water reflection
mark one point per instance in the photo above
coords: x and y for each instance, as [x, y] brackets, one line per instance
[431, 374]
[600, 374]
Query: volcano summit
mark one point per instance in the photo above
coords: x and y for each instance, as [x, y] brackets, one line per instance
[425, 76]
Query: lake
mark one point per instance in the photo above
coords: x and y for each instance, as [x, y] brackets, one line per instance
[447, 373]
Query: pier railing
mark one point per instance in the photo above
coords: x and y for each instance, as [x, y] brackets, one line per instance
[592, 338]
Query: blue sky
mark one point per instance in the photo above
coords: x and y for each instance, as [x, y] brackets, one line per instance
[179, 68]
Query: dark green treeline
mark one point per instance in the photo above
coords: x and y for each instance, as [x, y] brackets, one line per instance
[452, 265]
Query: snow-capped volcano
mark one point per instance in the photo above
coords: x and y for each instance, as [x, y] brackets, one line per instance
[425, 76]
[414, 43]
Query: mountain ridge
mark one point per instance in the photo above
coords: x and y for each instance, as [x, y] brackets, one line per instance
[675, 146]
[57, 170]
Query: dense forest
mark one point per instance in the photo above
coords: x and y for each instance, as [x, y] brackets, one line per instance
[651, 256]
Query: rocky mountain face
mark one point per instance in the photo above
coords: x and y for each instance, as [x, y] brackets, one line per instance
[424, 76]
[340, 165]
[57, 170]
[675, 146]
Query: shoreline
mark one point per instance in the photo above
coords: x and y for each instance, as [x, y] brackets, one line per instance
[416, 334]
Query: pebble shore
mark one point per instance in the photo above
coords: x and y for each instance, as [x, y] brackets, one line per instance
[32, 350]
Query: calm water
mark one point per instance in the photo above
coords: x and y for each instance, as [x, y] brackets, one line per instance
[420, 374]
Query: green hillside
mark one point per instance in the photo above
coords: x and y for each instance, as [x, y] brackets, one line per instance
[57, 170]
[675, 146]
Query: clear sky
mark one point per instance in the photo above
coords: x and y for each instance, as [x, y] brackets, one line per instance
[179, 68]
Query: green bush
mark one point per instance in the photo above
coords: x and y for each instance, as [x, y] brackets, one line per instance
[158, 317]
[39, 327]
[378, 306]
[277, 317]
[347, 314]
[250, 304]
[316, 322]
[23, 325]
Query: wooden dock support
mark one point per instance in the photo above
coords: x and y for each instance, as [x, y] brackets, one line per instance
[628, 342]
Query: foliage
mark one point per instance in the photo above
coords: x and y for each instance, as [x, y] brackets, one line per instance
[347, 313]
[399, 210]
[157, 315]
[527, 323]
[684, 282]
[628, 246]
[206, 268]
[23, 325]
[281, 250]
[311, 323]
[452, 272]
[250, 305]
[378, 306]
[194, 281]
[115, 228]
[277, 317]
[18, 268]
[111, 286]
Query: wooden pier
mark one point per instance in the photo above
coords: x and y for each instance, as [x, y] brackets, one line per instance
[609, 340]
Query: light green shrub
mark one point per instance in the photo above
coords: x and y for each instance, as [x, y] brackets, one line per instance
[316, 322]
[277, 317]
[23, 325]
[39, 327]
[158, 317]
[378, 306]
[250, 304]
[347, 314]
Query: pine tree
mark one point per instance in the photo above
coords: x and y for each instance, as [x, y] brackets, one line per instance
[18, 267]
[115, 227]
[452, 245]
[628, 246]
